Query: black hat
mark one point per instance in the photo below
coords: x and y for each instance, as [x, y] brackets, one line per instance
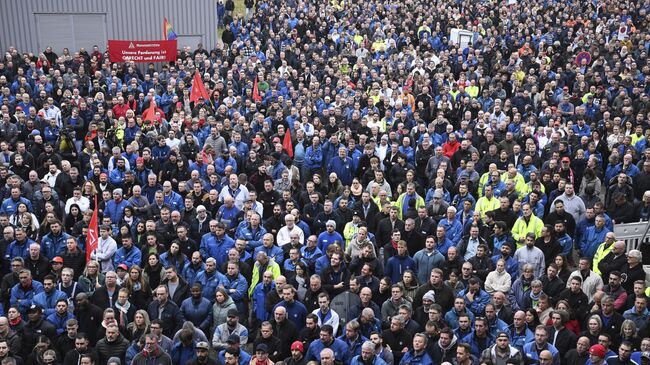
[233, 339]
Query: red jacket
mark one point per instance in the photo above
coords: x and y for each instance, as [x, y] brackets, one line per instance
[120, 110]
[448, 148]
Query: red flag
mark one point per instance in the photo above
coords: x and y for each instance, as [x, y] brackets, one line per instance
[288, 146]
[198, 89]
[92, 237]
[150, 113]
[256, 92]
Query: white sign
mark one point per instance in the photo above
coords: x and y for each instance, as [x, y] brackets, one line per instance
[461, 37]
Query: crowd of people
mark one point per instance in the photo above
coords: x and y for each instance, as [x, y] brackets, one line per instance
[358, 188]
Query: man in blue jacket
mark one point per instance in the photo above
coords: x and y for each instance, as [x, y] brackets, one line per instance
[418, 355]
[216, 243]
[313, 158]
[533, 349]
[427, 259]
[210, 279]
[399, 263]
[22, 294]
[10, 204]
[475, 298]
[367, 355]
[128, 254]
[236, 286]
[342, 166]
[49, 297]
[20, 246]
[59, 318]
[252, 232]
[480, 338]
[593, 237]
[296, 311]
[327, 340]
[54, 243]
[115, 207]
[197, 309]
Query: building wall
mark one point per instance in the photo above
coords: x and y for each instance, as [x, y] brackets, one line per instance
[32, 25]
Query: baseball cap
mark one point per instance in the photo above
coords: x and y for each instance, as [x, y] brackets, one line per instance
[597, 350]
[123, 267]
[34, 307]
[646, 354]
[262, 348]
[233, 313]
[58, 259]
[297, 345]
[203, 345]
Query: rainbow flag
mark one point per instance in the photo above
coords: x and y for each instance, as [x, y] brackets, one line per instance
[168, 31]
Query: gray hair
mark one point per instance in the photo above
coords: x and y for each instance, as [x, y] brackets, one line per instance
[368, 345]
[367, 312]
[636, 254]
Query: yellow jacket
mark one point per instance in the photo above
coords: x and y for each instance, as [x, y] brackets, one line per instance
[521, 228]
[419, 202]
[472, 91]
[484, 205]
[520, 183]
[349, 232]
[272, 266]
[600, 254]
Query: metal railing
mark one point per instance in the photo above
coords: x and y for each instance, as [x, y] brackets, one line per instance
[633, 234]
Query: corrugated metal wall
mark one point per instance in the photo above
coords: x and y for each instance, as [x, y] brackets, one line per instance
[125, 19]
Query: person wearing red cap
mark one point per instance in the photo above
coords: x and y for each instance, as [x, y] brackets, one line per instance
[297, 354]
[596, 355]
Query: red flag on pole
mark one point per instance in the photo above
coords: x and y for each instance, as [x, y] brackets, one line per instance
[92, 237]
[198, 89]
[256, 92]
[150, 113]
[288, 146]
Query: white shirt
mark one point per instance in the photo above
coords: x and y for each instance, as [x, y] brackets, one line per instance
[284, 233]
[82, 202]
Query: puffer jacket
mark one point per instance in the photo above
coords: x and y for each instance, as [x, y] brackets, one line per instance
[220, 312]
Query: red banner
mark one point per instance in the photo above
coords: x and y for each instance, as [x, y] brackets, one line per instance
[142, 51]
[92, 237]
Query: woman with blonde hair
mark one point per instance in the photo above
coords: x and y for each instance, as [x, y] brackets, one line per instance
[139, 326]
[593, 330]
[629, 333]
[29, 224]
[92, 277]
[138, 287]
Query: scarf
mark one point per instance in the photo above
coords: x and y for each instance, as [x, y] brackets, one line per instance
[15, 321]
[124, 308]
[535, 298]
